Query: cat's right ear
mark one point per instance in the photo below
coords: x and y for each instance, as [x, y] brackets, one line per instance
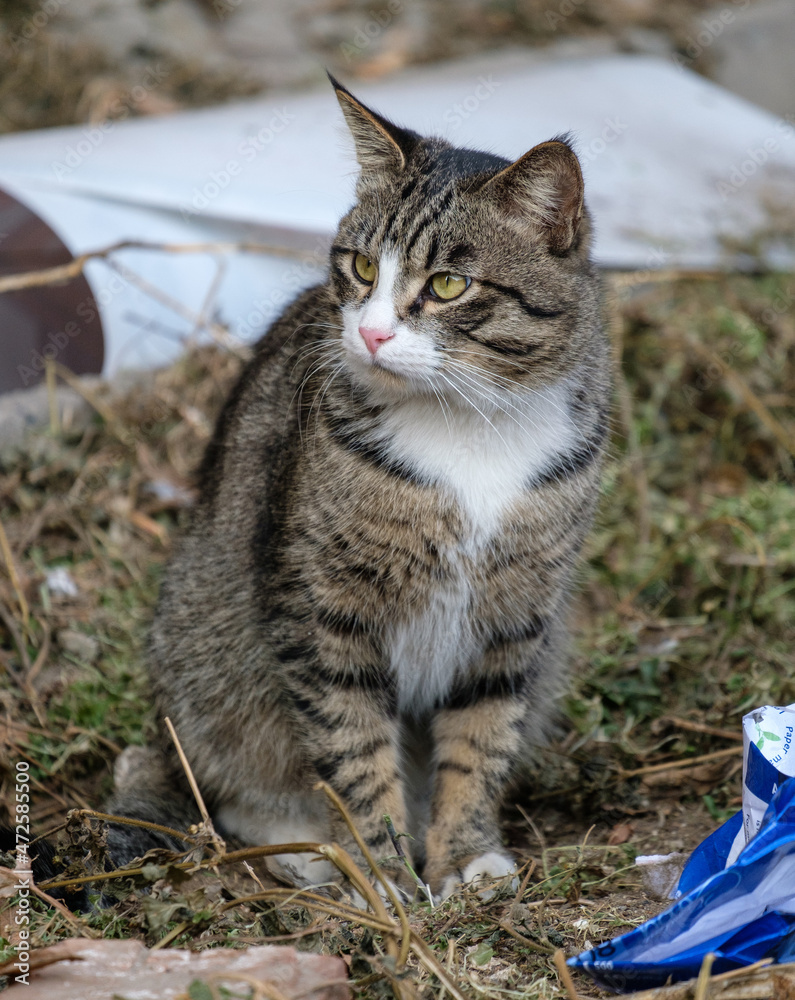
[381, 147]
[544, 188]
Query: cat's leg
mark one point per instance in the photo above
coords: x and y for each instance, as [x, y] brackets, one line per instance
[146, 787]
[352, 743]
[283, 818]
[476, 747]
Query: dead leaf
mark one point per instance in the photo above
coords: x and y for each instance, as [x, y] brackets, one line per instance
[620, 834]
[148, 525]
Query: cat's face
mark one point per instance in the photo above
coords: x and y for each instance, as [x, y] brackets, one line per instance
[458, 274]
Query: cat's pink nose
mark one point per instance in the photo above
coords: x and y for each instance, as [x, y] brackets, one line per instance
[374, 337]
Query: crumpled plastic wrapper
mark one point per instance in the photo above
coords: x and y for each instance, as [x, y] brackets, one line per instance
[736, 895]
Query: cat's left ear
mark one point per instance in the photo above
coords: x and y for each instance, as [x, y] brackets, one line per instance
[545, 188]
[381, 147]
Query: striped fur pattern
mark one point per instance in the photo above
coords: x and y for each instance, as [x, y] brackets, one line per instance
[374, 587]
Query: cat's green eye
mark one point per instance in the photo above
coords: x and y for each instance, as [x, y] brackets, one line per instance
[365, 269]
[448, 286]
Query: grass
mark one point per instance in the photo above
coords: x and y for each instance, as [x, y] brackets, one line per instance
[686, 620]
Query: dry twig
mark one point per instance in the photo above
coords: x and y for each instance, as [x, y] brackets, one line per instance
[217, 840]
[565, 976]
[681, 765]
[13, 576]
[66, 272]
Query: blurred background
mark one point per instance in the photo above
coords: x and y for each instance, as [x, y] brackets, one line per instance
[74, 61]
[679, 172]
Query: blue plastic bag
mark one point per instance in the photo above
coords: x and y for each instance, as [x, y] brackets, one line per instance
[768, 746]
[741, 913]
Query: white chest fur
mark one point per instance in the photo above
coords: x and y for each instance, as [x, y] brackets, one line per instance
[427, 650]
[486, 465]
[485, 461]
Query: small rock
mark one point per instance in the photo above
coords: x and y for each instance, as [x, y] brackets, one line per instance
[84, 647]
[60, 583]
[26, 410]
[660, 872]
[169, 492]
[521, 914]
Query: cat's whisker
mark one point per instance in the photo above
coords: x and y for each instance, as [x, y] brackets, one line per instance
[485, 377]
[496, 401]
[521, 390]
[333, 346]
[332, 351]
[337, 370]
[321, 354]
[483, 384]
[314, 343]
[473, 381]
[474, 406]
[495, 379]
[321, 326]
[529, 418]
[316, 347]
[302, 326]
[319, 365]
[444, 406]
[489, 376]
[331, 355]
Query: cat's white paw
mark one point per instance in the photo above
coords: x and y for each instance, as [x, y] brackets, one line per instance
[490, 865]
[359, 900]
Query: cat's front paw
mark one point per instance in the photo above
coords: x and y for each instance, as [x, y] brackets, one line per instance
[403, 892]
[492, 865]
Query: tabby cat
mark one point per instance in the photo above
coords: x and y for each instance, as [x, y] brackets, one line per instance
[373, 590]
